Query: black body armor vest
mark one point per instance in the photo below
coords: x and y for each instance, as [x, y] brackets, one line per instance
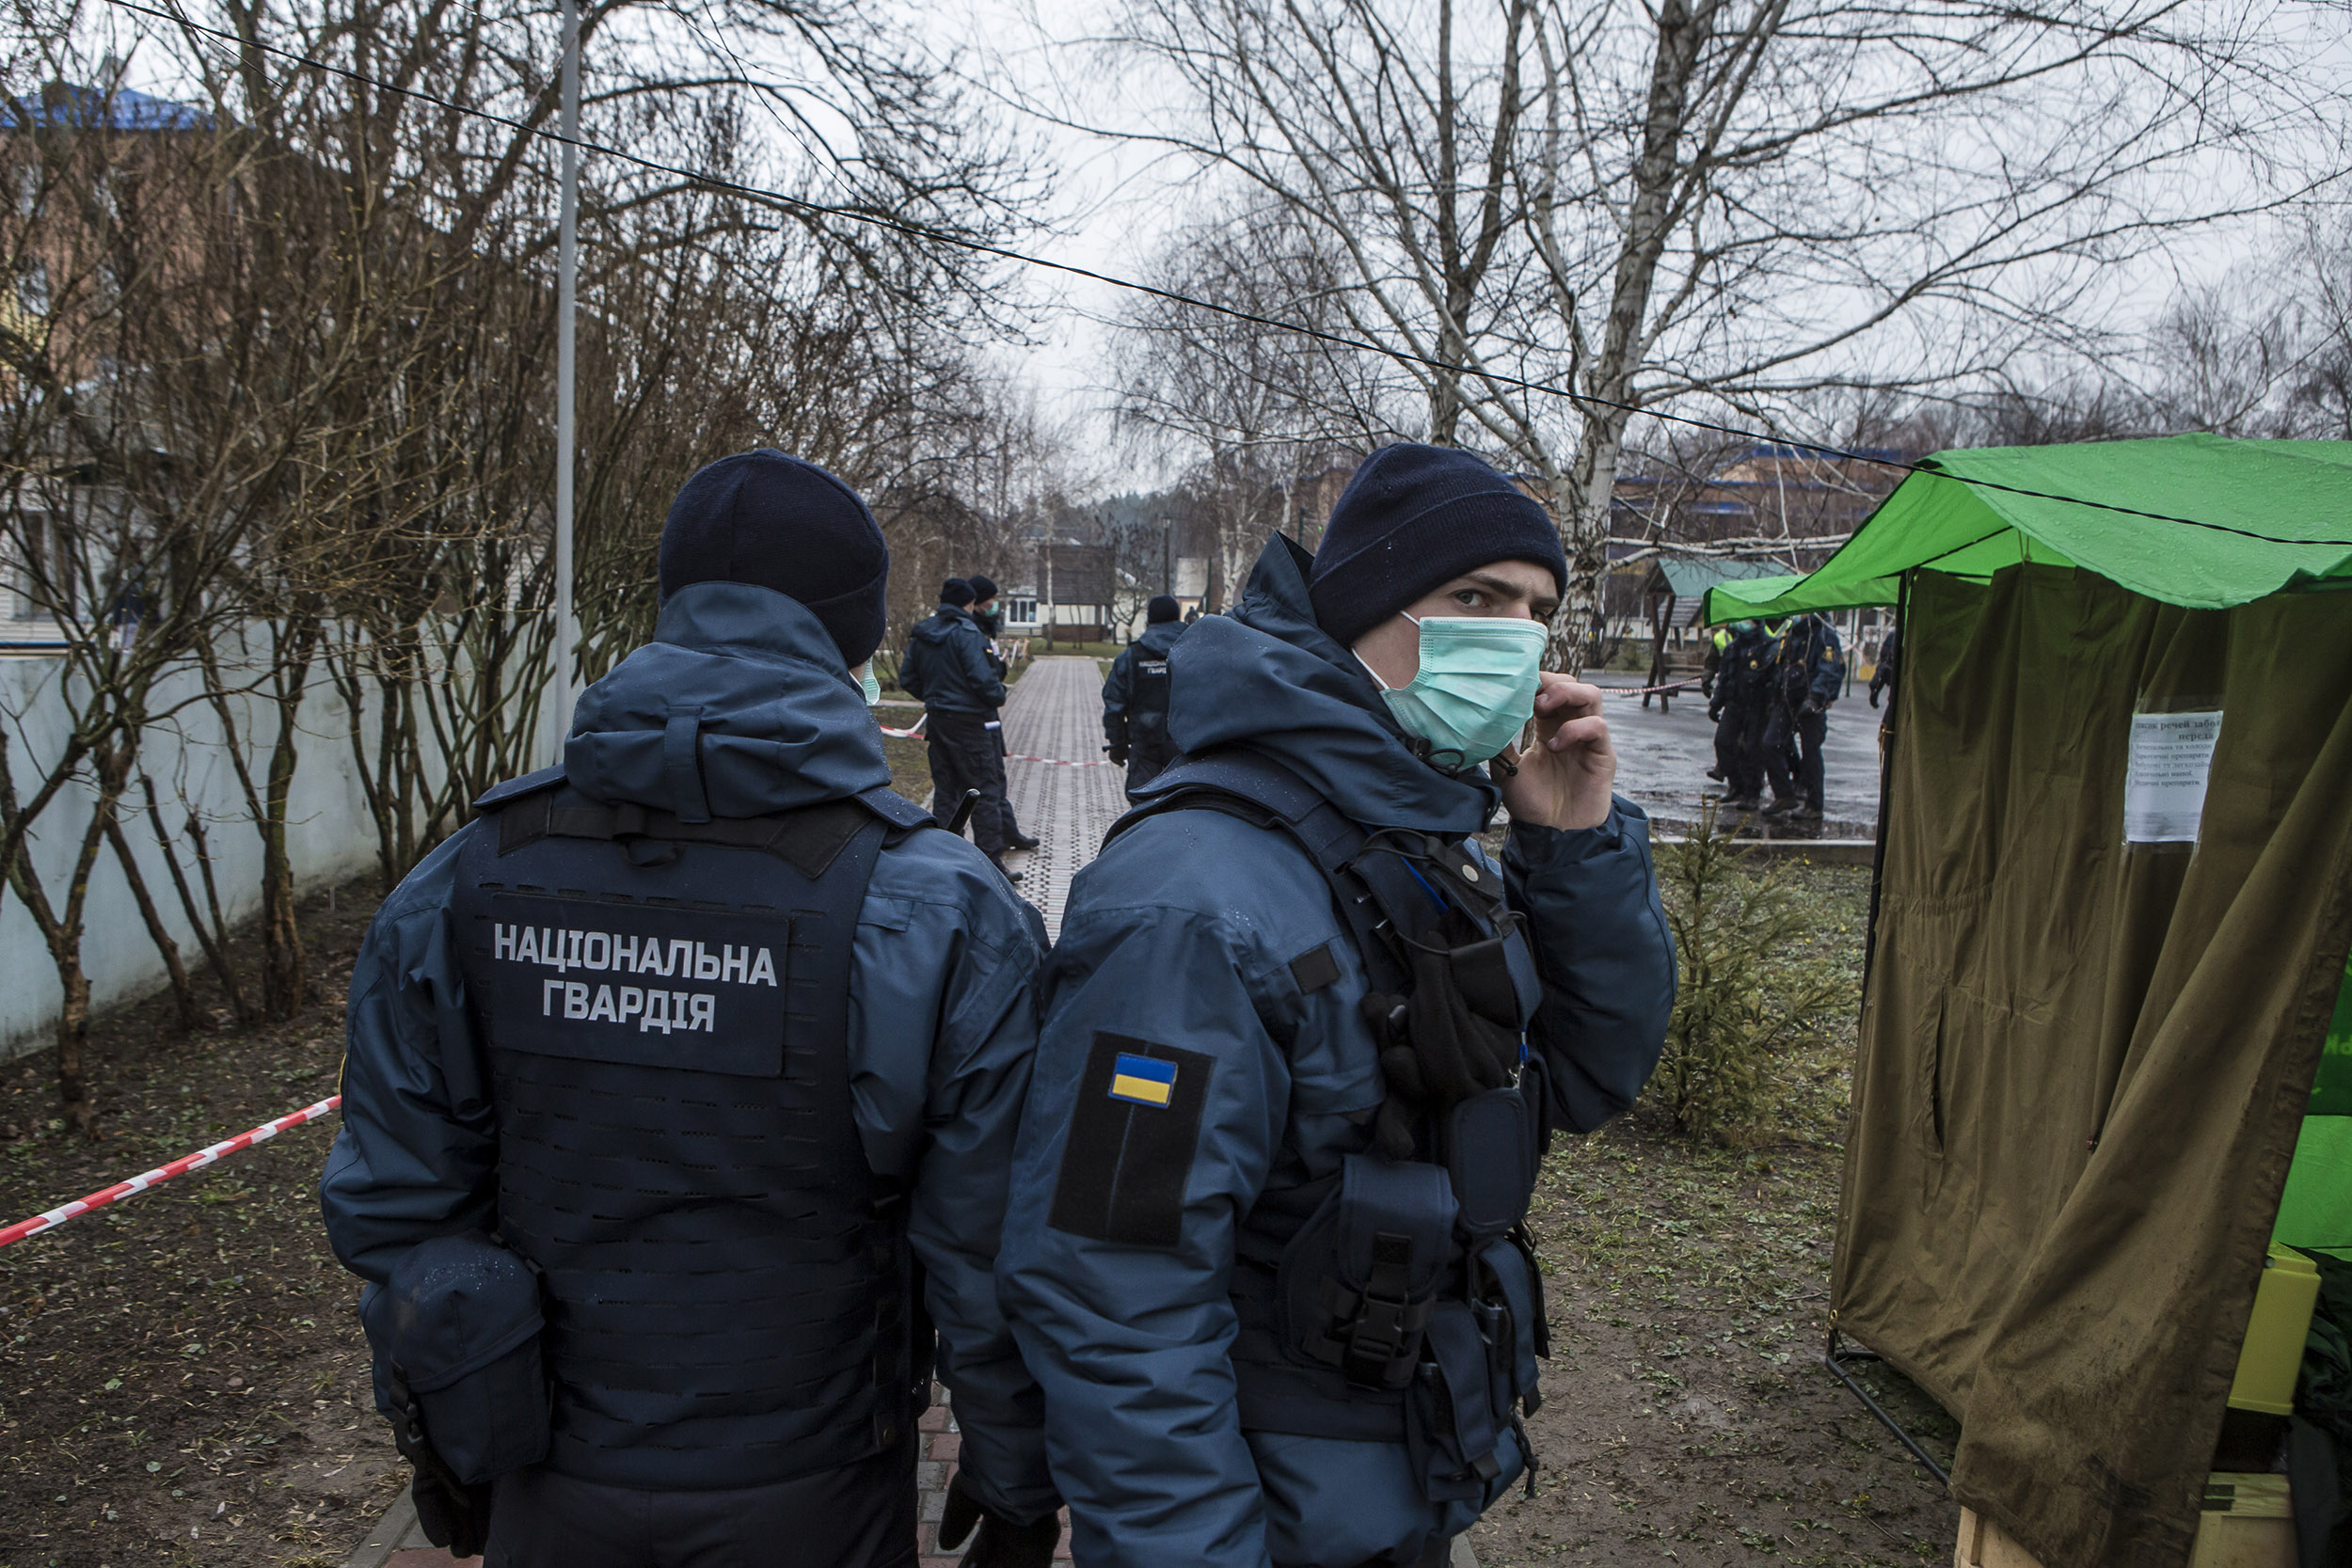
[1147, 710]
[1398, 1300]
[664, 1006]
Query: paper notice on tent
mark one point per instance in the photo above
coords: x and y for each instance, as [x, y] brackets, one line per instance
[2164, 787]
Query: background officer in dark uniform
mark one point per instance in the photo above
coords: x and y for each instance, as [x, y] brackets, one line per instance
[987, 615]
[1807, 669]
[1736, 703]
[948, 665]
[1261, 1251]
[1135, 696]
[702, 1055]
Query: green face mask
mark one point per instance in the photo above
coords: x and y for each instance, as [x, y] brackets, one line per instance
[867, 684]
[1476, 686]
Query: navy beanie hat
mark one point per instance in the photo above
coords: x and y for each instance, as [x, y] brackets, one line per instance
[1413, 518]
[764, 518]
[1162, 607]
[982, 587]
[954, 590]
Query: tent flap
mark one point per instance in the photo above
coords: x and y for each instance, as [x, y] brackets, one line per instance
[2083, 1065]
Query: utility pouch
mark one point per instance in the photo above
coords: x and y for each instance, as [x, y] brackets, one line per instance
[1453, 1429]
[456, 1333]
[1489, 1154]
[1358, 1282]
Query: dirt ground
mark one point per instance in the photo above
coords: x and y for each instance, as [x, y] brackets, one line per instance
[1688, 1418]
[183, 1379]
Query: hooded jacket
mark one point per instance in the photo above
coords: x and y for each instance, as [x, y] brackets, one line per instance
[1119, 686]
[1183, 934]
[941, 1010]
[948, 664]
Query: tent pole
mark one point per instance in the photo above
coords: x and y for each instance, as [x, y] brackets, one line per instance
[1831, 1359]
[1888, 733]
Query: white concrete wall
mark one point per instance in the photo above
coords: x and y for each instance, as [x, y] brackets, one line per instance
[330, 835]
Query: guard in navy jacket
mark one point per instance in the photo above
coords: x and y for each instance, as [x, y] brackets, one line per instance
[680, 1091]
[948, 666]
[1809, 670]
[1134, 697]
[1305, 1042]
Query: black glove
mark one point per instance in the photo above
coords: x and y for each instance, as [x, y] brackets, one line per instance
[1813, 706]
[1874, 696]
[1119, 753]
[1001, 1544]
[453, 1514]
[1715, 713]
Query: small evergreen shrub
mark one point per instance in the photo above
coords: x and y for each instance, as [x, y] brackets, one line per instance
[1750, 994]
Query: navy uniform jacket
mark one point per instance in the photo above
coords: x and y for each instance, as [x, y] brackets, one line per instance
[1119, 686]
[1182, 934]
[1810, 666]
[948, 666]
[942, 1018]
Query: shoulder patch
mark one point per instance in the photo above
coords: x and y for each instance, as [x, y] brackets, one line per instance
[1315, 968]
[1133, 1136]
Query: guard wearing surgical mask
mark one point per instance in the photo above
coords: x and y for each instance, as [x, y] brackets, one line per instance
[681, 1096]
[1305, 1042]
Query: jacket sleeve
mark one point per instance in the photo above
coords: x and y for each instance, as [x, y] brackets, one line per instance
[1605, 955]
[978, 1080]
[979, 671]
[1131, 1338]
[910, 668]
[1116, 695]
[417, 1154]
[1829, 669]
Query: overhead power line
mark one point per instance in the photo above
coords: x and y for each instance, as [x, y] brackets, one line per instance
[1339, 339]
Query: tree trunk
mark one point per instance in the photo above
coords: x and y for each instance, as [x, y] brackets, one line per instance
[182, 994]
[1578, 626]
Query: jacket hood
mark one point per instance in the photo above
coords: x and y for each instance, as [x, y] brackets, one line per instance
[1268, 677]
[940, 623]
[1160, 636]
[777, 720]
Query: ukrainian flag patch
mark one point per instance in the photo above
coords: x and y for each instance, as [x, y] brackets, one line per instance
[1141, 1080]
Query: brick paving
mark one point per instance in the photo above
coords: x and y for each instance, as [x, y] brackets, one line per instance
[1056, 712]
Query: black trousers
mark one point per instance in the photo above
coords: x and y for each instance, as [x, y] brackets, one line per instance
[861, 1515]
[964, 756]
[1012, 824]
[1802, 733]
[1735, 757]
[1437, 1557]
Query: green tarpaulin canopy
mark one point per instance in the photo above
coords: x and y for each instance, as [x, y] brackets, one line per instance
[2259, 516]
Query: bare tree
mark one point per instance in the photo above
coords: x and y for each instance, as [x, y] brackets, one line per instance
[1723, 206]
[1246, 411]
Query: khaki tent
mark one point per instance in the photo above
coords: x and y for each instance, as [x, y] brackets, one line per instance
[2114, 905]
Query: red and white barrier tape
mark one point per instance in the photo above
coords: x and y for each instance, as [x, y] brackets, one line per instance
[914, 734]
[1061, 762]
[181, 1166]
[1645, 690]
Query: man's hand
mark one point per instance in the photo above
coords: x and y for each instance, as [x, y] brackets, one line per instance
[1001, 1545]
[1874, 696]
[1565, 777]
[1117, 750]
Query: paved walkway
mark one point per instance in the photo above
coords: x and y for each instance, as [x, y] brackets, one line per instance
[1063, 789]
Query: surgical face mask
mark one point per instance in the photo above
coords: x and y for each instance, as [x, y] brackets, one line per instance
[1475, 688]
[867, 684]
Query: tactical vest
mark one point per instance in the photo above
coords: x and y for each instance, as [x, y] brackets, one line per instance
[664, 1009]
[1147, 708]
[1397, 1301]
